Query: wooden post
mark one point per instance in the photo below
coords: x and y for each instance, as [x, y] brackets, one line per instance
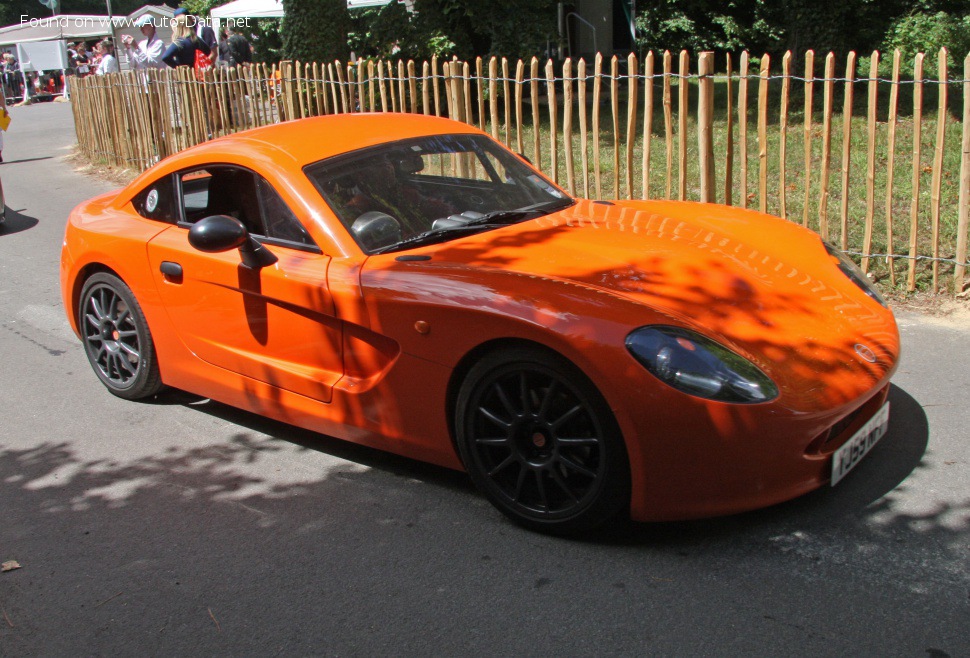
[567, 124]
[743, 127]
[534, 90]
[631, 121]
[846, 147]
[763, 135]
[705, 121]
[668, 123]
[729, 139]
[783, 134]
[479, 75]
[963, 222]
[434, 81]
[553, 127]
[381, 87]
[891, 166]
[615, 106]
[873, 111]
[809, 85]
[917, 169]
[371, 91]
[519, 84]
[297, 89]
[647, 121]
[426, 88]
[392, 94]
[583, 128]
[446, 73]
[467, 91]
[340, 87]
[597, 89]
[823, 216]
[402, 85]
[505, 97]
[683, 98]
[493, 94]
[352, 89]
[413, 86]
[938, 166]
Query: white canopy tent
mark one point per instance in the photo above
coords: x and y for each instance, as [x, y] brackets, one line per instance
[241, 9]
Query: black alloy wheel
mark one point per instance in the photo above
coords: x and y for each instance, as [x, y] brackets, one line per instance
[539, 440]
[116, 338]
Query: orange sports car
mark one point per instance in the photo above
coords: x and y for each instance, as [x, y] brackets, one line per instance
[407, 283]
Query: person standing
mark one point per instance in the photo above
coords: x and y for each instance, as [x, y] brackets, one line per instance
[147, 54]
[240, 52]
[108, 63]
[185, 43]
[12, 82]
[223, 49]
[82, 59]
[4, 124]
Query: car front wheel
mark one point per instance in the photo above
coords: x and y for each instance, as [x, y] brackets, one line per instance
[539, 440]
[116, 338]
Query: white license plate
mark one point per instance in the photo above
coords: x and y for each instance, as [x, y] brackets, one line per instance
[849, 455]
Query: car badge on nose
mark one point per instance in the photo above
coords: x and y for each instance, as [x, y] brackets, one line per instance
[864, 352]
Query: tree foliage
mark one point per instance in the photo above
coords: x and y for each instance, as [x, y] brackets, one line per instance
[315, 30]
[798, 25]
[925, 32]
[391, 30]
[513, 28]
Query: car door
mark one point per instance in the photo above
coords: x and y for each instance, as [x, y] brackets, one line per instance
[274, 324]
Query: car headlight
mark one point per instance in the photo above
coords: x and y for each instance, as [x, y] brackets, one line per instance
[851, 270]
[698, 366]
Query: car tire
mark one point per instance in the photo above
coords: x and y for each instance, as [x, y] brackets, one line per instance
[116, 338]
[538, 439]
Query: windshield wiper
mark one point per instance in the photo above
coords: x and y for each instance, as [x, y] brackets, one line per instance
[494, 219]
[519, 214]
[435, 235]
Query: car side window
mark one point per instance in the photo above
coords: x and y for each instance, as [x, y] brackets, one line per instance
[243, 195]
[157, 201]
[278, 220]
[221, 190]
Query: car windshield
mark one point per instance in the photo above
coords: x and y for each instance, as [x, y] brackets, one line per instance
[431, 189]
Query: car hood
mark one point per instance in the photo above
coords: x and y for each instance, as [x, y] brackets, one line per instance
[762, 286]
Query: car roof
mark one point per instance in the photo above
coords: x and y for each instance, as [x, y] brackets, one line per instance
[289, 145]
[338, 134]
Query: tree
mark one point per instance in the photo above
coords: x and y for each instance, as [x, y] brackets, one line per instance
[315, 30]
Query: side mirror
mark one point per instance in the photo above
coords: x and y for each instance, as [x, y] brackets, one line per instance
[220, 233]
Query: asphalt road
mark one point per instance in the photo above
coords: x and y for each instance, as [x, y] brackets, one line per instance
[187, 527]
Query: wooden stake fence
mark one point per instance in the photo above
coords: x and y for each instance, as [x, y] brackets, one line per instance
[133, 119]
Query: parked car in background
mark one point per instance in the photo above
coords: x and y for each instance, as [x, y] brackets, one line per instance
[408, 283]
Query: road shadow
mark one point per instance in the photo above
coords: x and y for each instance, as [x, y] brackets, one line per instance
[17, 222]
[309, 440]
[22, 160]
[199, 537]
[865, 493]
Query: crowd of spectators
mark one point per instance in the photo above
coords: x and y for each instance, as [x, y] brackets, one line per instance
[193, 43]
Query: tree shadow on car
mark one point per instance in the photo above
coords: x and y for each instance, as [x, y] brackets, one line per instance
[861, 495]
[16, 222]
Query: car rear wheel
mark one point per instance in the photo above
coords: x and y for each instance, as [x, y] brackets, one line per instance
[116, 338]
[540, 442]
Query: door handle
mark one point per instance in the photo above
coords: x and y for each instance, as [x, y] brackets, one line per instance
[171, 271]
